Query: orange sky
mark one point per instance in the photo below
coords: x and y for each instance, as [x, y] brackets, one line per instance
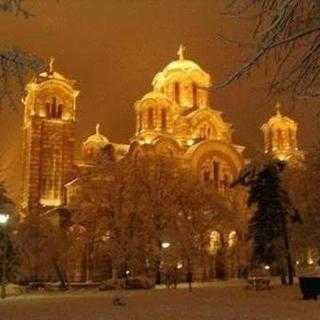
[113, 48]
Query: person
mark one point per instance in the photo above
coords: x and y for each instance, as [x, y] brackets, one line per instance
[189, 279]
[168, 278]
[175, 277]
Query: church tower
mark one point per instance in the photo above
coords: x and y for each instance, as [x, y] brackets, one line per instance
[48, 142]
[280, 137]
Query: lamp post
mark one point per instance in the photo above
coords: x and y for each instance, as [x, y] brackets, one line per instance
[3, 222]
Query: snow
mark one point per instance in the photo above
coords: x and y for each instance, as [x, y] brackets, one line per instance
[214, 301]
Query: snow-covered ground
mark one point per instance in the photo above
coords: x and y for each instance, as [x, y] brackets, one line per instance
[215, 301]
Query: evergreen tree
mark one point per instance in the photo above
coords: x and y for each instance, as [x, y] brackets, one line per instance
[273, 212]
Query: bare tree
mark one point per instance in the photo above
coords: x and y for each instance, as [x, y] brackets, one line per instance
[16, 7]
[286, 38]
[16, 65]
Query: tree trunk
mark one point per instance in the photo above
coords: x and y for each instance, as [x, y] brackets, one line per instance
[287, 251]
[59, 274]
[283, 277]
[189, 274]
[158, 272]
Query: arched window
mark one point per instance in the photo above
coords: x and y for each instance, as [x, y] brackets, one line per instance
[163, 119]
[177, 92]
[216, 169]
[215, 242]
[150, 119]
[232, 239]
[205, 131]
[206, 176]
[195, 94]
[226, 182]
[53, 110]
[290, 135]
[140, 121]
[208, 132]
[280, 138]
[202, 133]
[59, 113]
[270, 139]
[48, 109]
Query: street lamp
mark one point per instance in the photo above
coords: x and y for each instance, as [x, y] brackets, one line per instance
[3, 221]
[165, 245]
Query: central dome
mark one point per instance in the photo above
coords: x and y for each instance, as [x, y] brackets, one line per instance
[182, 65]
[181, 69]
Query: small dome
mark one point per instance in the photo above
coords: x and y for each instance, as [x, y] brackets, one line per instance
[96, 143]
[279, 120]
[155, 95]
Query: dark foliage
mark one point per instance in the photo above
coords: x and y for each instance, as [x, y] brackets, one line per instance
[272, 215]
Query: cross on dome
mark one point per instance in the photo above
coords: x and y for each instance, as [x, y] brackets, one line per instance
[51, 62]
[278, 107]
[98, 129]
[180, 52]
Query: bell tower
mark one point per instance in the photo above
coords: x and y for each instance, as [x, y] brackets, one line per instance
[280, 137]
[48, 139]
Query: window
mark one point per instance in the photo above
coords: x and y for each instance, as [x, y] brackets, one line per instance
[140, 121]
[53, 110]
[177, 92]
[163, 119]
[206, 176]
[226, 182]
[216, 169]
[150, 119]
[232, 239]
[195, 94]
[59, 111]
[208, 132]
[291, 140]
[215, 242]
[280, 138]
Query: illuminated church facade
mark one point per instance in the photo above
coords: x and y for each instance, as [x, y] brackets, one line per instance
[175, 118]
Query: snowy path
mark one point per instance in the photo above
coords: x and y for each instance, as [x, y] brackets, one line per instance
[212, 302]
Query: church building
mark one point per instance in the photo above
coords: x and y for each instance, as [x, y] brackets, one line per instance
[175, 118]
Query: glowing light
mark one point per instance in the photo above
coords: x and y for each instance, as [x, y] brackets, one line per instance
[266, 267]
[165, 245]
[179, 265]
[50, 202]
[297, 262]
[147, 140]
[4, 218]
[127, 272]
[310, 261]
[190, 142]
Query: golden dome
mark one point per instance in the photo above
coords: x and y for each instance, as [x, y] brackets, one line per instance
[95, 144]
[155, 95]
[279, 120]
[181, 66]
[98, 139]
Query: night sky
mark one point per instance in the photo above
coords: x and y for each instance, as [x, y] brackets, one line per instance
[114, 48]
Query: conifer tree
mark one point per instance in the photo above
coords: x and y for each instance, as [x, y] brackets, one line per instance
[273, 212]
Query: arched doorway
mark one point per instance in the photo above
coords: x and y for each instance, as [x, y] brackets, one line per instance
[216, 256]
